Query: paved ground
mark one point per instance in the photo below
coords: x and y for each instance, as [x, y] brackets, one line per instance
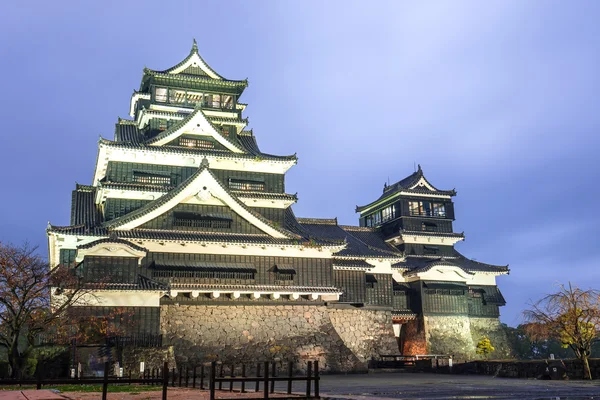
[434, 386]
[413, 386]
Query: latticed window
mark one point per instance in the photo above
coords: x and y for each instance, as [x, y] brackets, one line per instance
[427, 208]
[246, 184]
[206, 274]
[151, 178]
[193, 220]
[200, 143]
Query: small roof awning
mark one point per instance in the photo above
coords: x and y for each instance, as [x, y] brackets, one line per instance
[283, 269]
[371, 278]
[445, 285]
[491, 295]
[202, 266]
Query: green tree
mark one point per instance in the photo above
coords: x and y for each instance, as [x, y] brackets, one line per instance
[570, 316]
[484, 347]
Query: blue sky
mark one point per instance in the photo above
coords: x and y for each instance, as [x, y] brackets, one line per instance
[498, 99]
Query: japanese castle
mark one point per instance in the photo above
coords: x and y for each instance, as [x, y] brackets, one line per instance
[188, 225]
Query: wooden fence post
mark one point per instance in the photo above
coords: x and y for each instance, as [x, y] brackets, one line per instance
[173, 377]
[105, 381]
[220, 376]
[231, 375]
[266, 381]
[308, 376]
[243, 389]
[317, 378]
[165, 380]
[38, 385]
[202, 377]
[194, 377]
[211, 383]
[187, 375]
[290, 373]
[273, 374]
[258, 376]
[180, 376]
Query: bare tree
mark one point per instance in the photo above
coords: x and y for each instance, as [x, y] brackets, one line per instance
[26, 305]
[571, 316]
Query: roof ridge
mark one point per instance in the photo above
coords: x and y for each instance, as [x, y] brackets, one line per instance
[317, 221]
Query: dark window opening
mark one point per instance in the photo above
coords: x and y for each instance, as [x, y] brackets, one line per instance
[194, 220]
[429, 227]
[152, 178]
[370, 281]
[447, 292]
[246, 184]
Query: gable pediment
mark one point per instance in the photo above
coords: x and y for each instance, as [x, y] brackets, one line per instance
[196, 124]
[201, 188]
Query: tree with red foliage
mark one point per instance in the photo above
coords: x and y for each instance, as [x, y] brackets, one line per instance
[34, 298]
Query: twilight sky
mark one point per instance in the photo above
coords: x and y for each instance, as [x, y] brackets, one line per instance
[498, 99]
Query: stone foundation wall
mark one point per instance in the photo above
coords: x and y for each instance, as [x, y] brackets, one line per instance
[366, 333]
[449, 335]
[341, 340]
[459, 335]
[492, 328]
[152, 357]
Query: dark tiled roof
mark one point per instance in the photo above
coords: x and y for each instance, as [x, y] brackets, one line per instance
[265, 288]
[491, 294]
[404, 185]
[201, 265]
[403, 314]
[265, 195]
[421, 264]
[111, 240]
[370, 237]
[193, 152]
[400, 286]
[142, 187]
[444, 285]
[433, 234]
[142, 283]
[83, 207]
[248, 141]
[127, 131]
[355, 248]
[351, 263]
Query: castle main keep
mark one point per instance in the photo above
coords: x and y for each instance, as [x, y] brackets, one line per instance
[188, 225]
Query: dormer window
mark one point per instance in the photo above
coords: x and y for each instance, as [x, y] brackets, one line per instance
[283, 275]
[247, 185]
[198, 143]
[195, 220]
[154, 178]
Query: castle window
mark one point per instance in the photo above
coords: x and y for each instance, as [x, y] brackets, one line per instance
[151, 178]
[427, 208]
[387, 213]
[370, 281]
[247, 185]
[160, 95]
[227, 101]
[195, 220]
[283, 276]
[428, 227]
[216, 101]
[199, 143]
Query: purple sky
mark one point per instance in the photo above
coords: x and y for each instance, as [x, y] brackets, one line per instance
[498, 99]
